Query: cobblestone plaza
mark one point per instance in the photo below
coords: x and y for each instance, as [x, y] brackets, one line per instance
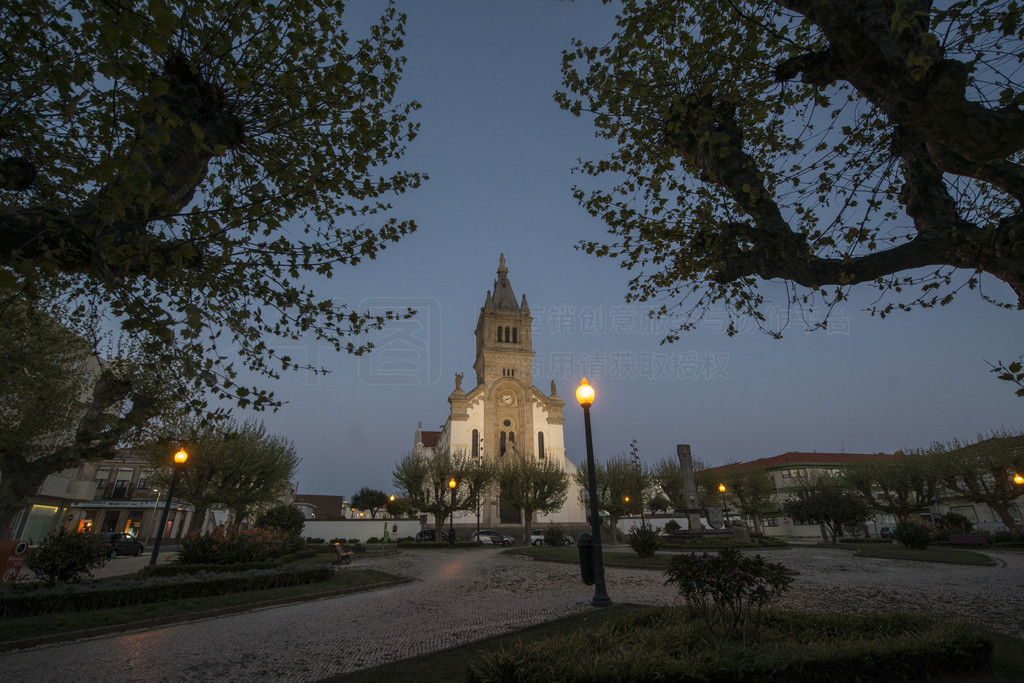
[460, 596]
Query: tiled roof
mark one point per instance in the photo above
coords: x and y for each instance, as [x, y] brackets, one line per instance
[430, 438]
[798, 458]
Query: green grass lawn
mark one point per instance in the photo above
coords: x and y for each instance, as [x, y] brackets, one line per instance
[183, 610]
[933, 554]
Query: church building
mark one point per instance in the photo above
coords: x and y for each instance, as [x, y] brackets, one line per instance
[504, 414]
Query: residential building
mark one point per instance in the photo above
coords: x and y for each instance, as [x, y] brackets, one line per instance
[786, 469]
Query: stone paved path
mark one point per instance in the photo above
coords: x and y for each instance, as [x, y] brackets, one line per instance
[461, 596]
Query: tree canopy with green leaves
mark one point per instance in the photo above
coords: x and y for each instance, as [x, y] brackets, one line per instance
[818, 144]
[898, 485]
[423, 478]
[827, 501]
[369, 499]
[239, 468]
[192, 169]
[982, 471]
[752, 490]
[620, 485]
[62, 404]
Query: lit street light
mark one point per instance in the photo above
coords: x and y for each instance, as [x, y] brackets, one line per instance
[451, 524]
[1018, 479]
[179, 463]
[725, 515]
[585, 396]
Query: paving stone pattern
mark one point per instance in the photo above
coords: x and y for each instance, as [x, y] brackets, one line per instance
[461, 596]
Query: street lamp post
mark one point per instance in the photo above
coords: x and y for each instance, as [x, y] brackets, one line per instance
[451, 523]
[585, 396]
[725, 515]
[179, 462]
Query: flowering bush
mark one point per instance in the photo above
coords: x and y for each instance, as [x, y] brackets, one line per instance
[231, 545]
[914, 532]
[644, 540]
[728, 591]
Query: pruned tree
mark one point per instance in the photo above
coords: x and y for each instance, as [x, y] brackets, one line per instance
[819, 144]
[369, 499]
[751, 490]
[825, 500]
[899, 486]
[983, 471]
[668, 474]
[192, 168]
[617, 479]
[532, 486]
[423, 478]
[239, 468]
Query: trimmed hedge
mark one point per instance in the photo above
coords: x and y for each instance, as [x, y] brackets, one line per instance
[710, 544]
[177, 569]
[156, 590]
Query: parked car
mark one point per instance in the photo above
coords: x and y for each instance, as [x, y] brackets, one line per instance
[431, 535]
[537, 537]
[122, 544]
[491, 537]
[887, 532]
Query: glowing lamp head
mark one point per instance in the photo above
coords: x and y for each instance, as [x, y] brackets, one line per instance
[392, 498]
[180, 457]
[1018, 479]
[452, 484]
[585, 393]
[627, 499]
[721, 487]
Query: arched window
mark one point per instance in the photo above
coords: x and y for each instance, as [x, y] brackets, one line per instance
[540, 445]
[476, 443]
[499, 332]
[501, 444]
[507, 336]
[515, 335]
[511, 437]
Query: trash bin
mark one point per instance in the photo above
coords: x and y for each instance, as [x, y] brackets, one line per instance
[586, 546]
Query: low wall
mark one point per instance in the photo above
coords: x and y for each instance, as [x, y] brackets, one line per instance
[359, 528]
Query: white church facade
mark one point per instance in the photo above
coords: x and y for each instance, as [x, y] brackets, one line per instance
[504, 414]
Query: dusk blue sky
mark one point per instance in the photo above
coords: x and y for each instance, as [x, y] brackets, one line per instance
[499, 153]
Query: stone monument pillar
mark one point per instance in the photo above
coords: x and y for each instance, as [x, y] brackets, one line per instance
[689, 486]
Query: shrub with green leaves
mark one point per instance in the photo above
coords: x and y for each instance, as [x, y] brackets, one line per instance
[672, 525]
[914, 532]
[288, 518]
[645, 539]
[231, 545]
[67, 557]
[728, 591]
[554, 534]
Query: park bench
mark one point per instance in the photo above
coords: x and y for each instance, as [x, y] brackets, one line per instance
[967, 539]
[344, 555]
